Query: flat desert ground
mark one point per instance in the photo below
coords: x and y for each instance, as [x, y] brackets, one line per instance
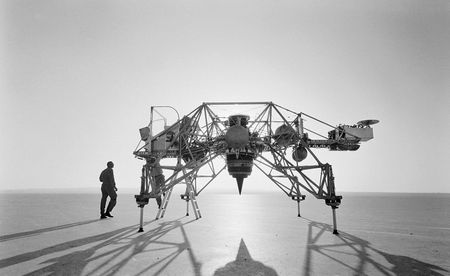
[251, 234]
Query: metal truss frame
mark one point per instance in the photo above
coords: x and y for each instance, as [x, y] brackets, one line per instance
[198, 138]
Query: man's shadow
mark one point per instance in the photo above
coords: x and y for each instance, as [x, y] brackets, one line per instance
[363, 250]
[115, 247]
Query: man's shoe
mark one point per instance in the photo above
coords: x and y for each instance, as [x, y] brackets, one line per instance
[109, 215]
[102, 217]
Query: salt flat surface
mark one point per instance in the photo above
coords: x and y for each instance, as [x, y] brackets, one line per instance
[257, 234]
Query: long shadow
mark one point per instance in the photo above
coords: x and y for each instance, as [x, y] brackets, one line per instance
[44, 230]
[142, 244]
[111, 251]
[61, 247]
[244, 265]
[362, 249]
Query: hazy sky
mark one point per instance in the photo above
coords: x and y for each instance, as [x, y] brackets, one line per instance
[78, 79]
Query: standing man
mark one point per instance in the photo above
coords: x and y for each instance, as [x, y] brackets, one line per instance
[108, 189]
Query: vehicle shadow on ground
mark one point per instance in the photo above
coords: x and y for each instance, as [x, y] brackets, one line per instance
[44, 230]
[350, 245]
[244, 265]
[110, 251]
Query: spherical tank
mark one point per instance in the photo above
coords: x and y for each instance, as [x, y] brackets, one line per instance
[299, 154]
[284, 135]
[237, 137]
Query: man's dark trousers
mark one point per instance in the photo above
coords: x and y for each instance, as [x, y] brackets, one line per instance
[107, 191]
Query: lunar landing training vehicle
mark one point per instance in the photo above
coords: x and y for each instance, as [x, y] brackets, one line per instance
[240, 137]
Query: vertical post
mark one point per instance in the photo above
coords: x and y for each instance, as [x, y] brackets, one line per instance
[142, 181]
[335, 231]
[141, 221]
[298, 205]
[187, 206]
[334, 201]
[300, 129]
[187, 195]
[140, 199]
[150, 126]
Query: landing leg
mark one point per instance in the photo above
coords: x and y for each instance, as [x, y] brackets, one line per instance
[335, 231]
[187, 207]
[190, 196]
[195, 207]
[298, 198]
[141, 201]
[165, 202]
[141, 221]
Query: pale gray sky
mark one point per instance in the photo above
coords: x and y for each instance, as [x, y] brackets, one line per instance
[78, 79]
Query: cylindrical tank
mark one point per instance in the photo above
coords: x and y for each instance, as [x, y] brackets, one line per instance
[237, 137]
[350, 147]
[299, 154]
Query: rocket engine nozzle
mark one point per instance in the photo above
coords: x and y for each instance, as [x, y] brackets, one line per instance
[237, 137]
[239, 167]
